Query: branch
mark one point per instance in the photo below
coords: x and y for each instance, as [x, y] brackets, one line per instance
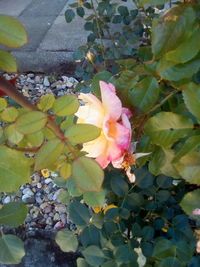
[12, 92]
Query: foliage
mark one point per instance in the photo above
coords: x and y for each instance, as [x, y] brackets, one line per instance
[151, 222]
[12, 34]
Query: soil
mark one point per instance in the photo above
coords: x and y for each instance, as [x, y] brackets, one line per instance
[42, 251]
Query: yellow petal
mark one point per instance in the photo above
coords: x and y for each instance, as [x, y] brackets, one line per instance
[111, 206]
[45, 173]
[96, 209]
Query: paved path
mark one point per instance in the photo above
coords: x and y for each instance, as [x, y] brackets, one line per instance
[51, 40]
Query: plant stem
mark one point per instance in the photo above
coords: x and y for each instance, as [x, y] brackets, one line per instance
[162, 102]
[12, 92]
[99, 33]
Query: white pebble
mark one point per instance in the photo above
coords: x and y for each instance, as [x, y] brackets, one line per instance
[48, 180]
[28, 192]
[7, 200]
[39, 185]
[46, 81]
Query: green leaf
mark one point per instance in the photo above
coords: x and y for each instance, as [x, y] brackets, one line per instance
[110, 263]
[93, 255]
[12, 32]
[7, 62]
[3, 103]
[31, 122]
[12, 134]
[145, 53]
[63, 196]
[165, 128]
[125, 254]
[164, 181]
[9, 114]
[189, 167]
[88, 174]
[46, 102]
[97, 220]
[80, 11]
[123, 11]
[119, 185]
[13, 214]
[191, 96]
[161, 163]
[69, 15]
[14, 169]
[184, 251]
[190, 203]
[172, 262]
[171, 29]
[90, 236]
[145, 93]
[191, 144]
[100, 76]
[167, 167]
[163, 249]
[65, 105]
[144, 178]
[69, 121]
[66, 170]
[60, 182]
[73, 190]
[48, 154]
[152, 2]
[82, 263]
[135, 201]
[66, 240]
[187, 49]
[157, 160]
[79, 213]
[82, 133]
[34, 139]
[94, 199]
[148, 233]
[168, 70]
[1, 133]
[11, 249]
[48, 134]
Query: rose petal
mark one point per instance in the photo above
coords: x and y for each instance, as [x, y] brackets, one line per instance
[112, 153]
[131, 176]
[92, 112]
[118, 163]
[95, 147]
[196, 211]
[123, 136]
[110, 101]
[127, 112]
[116, 132]
[125, 121]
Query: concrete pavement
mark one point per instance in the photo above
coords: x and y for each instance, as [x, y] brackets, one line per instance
[52, 41]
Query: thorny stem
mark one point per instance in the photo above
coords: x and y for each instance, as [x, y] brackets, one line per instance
[99, 33]
[11, 91]
[140, 128]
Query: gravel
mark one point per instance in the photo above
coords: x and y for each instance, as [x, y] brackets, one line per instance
[41, 195]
